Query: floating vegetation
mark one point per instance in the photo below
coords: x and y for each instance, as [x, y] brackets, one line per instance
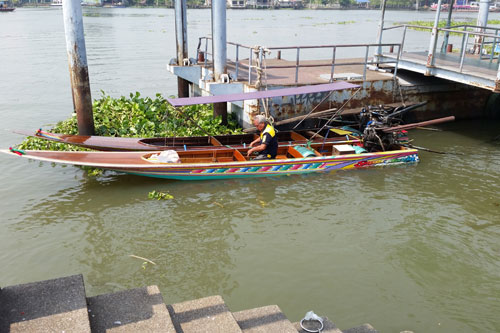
[137, 116]
[346, 22]
[160, 195]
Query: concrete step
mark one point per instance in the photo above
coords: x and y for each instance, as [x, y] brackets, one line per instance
[135, 310]
[209, 314]
[365, 328]
[48, 306]
[264, 319]
[328, 326]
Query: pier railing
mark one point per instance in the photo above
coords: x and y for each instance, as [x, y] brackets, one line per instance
[257, 55]
[485, 42]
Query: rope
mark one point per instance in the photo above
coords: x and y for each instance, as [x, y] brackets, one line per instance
[400, 91]
[335, 114]
[327, 96]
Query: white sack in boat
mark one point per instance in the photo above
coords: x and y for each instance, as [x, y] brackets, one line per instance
[168, 156]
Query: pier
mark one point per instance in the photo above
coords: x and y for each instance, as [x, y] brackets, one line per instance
[62, 305]
[390, 70]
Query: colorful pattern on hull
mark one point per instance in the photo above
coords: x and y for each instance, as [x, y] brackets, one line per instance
[289, 167]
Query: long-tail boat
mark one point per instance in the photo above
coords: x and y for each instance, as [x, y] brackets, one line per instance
[109, 143]
[228, 163]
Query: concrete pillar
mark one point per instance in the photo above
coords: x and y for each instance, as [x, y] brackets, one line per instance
[380, 29]
[482, 16]
[219, 48]
[78, 68]
[448, 24]
[181, 43]
[482, 21]
[434, 38]
[219, 38]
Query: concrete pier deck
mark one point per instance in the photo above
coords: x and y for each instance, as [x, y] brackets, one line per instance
[317, 72]
[60, 305]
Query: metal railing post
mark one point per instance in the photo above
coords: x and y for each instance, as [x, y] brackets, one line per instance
[206, 52]
[297, 65]
[397, 60]
[433, 42]
[403, 41]
[250, 67]
[380, 30]
[493, 46]
[366, 61]
[462, 56]
[481, 47]
[333, 64]
[237, 62]
[448, 24]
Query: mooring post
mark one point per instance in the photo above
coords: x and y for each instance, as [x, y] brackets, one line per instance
[219, 48]
[433, 43]
[380, 31]
[448, 25]
[181, 43]
[78, 68]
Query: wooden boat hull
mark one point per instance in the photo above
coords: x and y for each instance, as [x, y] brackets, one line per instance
[237, 141]
[139, 163]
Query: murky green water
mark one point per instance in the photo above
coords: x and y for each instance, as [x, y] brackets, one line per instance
[413, 247]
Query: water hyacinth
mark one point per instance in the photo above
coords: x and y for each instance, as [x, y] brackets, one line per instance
[141, 117]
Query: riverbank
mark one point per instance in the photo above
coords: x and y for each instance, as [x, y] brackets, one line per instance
[63, 303]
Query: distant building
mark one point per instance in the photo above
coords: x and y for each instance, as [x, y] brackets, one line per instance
[290, 4]
[260, 3]
[236, 3]
[363, 3]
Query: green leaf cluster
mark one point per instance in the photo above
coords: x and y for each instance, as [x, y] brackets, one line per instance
[159, 195]
[137, 116]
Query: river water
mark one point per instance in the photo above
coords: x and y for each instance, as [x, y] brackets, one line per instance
[412, 247]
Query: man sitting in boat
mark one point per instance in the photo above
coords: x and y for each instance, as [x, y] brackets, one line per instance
[267, 144]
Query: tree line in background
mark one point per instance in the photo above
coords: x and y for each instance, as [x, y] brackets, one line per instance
[202, 3]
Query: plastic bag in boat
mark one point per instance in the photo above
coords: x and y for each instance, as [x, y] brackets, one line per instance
[168, 156]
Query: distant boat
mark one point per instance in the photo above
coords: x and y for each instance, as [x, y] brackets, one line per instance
[465, 7]
[56, 3]
[4, 7]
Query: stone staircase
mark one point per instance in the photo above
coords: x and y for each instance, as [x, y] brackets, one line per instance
[61, 305]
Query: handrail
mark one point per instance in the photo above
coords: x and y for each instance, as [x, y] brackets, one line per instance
[481, 33]
[257, 53]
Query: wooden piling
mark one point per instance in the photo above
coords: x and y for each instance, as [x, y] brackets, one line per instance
[78, 68]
